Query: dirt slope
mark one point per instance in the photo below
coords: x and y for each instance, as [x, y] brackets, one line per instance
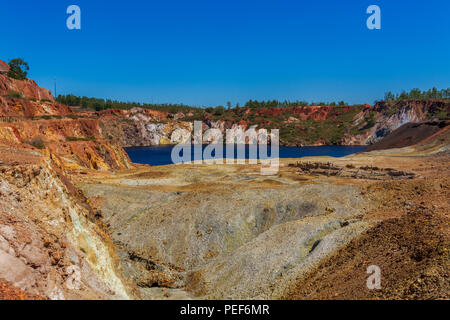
[409, 134]
[410, 245]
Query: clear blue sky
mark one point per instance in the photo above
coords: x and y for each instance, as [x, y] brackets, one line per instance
[209, 52]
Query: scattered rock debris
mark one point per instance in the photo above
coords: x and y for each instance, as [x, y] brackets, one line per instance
[349, 171]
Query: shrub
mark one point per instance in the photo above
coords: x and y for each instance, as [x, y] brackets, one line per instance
[90, 138]
[38, 143]
[219, 110]
[370, 120]
[15, 94]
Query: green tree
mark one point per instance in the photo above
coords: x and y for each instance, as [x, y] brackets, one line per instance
[18, 69]
[389, 96]
[219, 110]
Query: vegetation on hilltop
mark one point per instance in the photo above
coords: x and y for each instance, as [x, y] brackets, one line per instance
[441, 112]
[18, 69]
[254, 104]
[417, 94]
[99, 104]
[333, 127]
[103, 104]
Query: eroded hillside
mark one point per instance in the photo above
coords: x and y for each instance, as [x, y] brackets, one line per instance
[29, 112]
[47, 228]
[71, 198]
[225, 232]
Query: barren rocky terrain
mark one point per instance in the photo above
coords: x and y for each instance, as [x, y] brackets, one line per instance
[78, 220]
[227, 232]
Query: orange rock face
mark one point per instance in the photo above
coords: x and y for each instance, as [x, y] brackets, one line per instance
[75, 139]
[16, 107]
[27, 87]
[317, 113]
[77, 142]
[30, 116]
[4, 67]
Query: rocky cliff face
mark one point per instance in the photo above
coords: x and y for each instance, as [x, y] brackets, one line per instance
[49, 244]
[410, 134]
[345, 125]
[140, 127]
[388, 116]
[316, 113]
[28, 88]
[17, 107]
[76, 138]
[137, 130]
[77, 142]
[95, 139]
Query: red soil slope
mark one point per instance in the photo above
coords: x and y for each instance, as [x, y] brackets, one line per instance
[27, 87]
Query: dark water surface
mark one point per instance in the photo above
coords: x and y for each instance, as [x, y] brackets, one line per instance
[161, 155]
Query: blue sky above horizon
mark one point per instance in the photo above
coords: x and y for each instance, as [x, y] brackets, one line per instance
[208, 52]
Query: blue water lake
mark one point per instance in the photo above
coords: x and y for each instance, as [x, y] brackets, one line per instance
[161, 155]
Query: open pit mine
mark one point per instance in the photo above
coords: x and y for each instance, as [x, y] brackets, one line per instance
[79, 220]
